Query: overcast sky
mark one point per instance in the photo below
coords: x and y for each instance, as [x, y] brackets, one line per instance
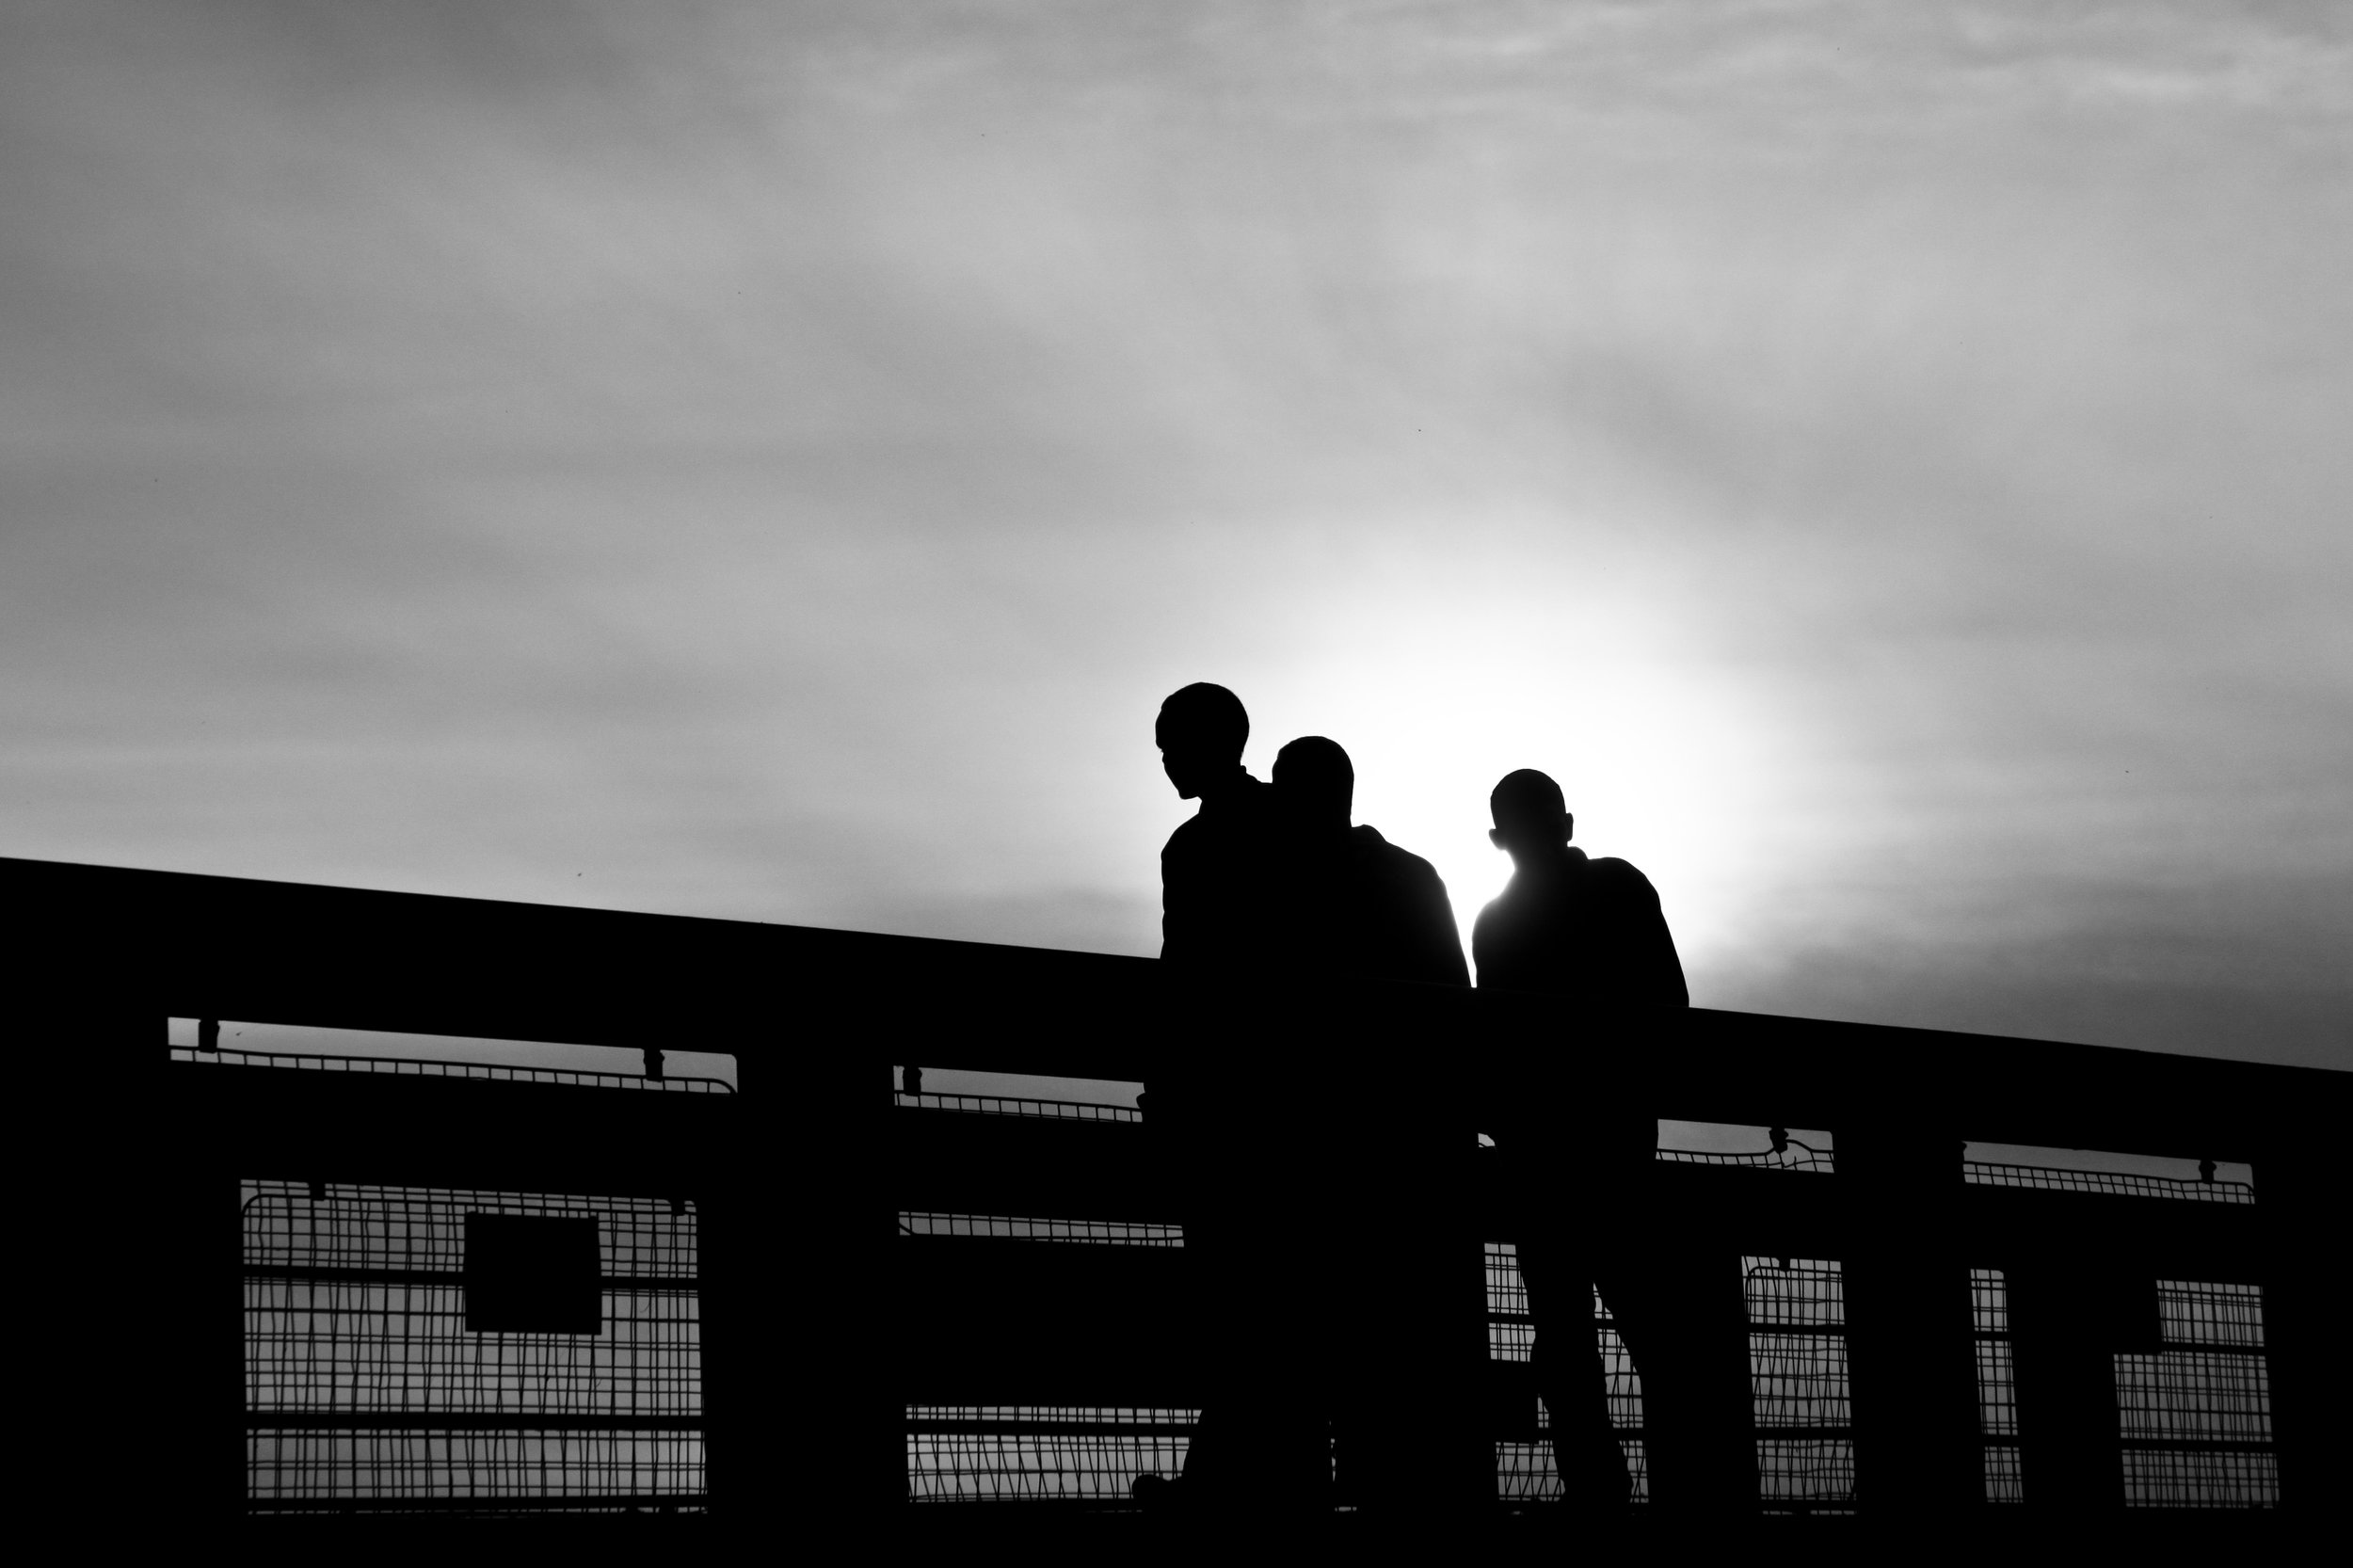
[1890, 463]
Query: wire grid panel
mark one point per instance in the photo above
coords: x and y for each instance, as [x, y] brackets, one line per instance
[1997, 1387]
[1029, 1453]
[2194, 1477]
[2191, 1312]
[2193, 1396]
[410, 1066]
[2047, 1178]
[2005, 1474]
[1001, 1105]
[1796, 1343]
[1511, 1326]
[1512, 1335]
[362, 1381]
[2196, 1419]
[1528, 1473]
[1118, 1233]
[1802, 1396]
[1817, 1161]
[366, 1468]
[1624, 1384]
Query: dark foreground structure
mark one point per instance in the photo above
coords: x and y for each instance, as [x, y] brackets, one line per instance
[365, 1293]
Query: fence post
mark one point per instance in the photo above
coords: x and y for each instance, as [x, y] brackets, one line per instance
[1911, 1355]
[2303, 1197]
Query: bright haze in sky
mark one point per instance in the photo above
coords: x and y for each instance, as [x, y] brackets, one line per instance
[1889, 463]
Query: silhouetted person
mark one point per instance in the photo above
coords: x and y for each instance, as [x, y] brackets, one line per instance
[1260, 1449]
[1363, 907]
[1218, 870]
[1566, 924]
[1591, 933]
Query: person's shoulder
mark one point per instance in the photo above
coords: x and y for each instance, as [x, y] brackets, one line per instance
[1188, 833]
[1516, 904]
[1395, 859]
[1622, 877]
[1490, 919]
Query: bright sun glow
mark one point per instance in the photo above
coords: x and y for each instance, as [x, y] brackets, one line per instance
[1665, 760]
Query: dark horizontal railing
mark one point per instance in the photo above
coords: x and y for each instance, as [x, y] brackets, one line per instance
[190, 946]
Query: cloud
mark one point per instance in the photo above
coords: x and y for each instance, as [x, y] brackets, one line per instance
[771, 465]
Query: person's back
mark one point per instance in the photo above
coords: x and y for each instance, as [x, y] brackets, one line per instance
[1361, 908]
[1361, 905]
[1260, 1446]
[1568, 926]
[1591, 933]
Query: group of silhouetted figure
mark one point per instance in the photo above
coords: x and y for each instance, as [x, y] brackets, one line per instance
[1271, 891]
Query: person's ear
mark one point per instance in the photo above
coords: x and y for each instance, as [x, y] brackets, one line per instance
[1568, 825]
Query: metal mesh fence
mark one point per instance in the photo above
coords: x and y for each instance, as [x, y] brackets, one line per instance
[1819, 1162]
[402, 1066]
[1002, 1105]
[1801, 1394]
[2224, 1315]
[1118, 1233]
[1997, 1387]
[1512, 1334]
[374, 1469]
[1029, 1453]
[1525, 1472]
[2193, 1397]
[2005, 1474]
[2045, 1179]
[2200, 1479]
[363, 1384]
[2196, 1419]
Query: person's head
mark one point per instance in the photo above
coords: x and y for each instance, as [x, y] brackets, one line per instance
[1201, 731]
[1532, 817]
[1315, 782]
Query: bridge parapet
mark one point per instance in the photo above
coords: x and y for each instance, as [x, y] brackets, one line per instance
[959, 1296]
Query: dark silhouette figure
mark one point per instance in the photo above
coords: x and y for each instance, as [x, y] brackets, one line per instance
[1363, 905]
[1362, 909]
[1568, 926]
[1590, 933]
[1260, 1449]
[1218, 870]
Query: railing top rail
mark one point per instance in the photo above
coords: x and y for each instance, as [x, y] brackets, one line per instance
[826, 1004]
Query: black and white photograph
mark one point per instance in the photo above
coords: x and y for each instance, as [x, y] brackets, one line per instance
[1385, 654]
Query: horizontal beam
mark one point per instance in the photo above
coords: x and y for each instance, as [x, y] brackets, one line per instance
[803, 997]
